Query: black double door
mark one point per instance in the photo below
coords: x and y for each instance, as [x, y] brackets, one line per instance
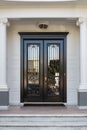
[43, 71]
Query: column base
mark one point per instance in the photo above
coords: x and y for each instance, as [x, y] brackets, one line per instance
[82, 98]
[4, 107]
[4, 97]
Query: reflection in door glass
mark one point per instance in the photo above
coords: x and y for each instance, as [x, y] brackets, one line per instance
[53, 70]
[33, 69]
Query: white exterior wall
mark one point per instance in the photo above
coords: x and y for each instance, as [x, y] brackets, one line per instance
[13, 58]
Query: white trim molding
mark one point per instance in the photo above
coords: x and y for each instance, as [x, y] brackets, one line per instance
[4, 21]
[16, 104]
[82, 107]
[82, 88]
[40, 0]
[4, 107]
[3, 88]
[81, 21]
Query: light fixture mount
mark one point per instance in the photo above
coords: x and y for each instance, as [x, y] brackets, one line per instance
[43, 25]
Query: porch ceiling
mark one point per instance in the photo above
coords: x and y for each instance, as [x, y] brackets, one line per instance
[44, 2]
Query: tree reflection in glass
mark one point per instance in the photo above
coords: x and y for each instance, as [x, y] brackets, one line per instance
[53, 70]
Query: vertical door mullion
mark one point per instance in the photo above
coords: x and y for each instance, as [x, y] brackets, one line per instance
[61, 72]
[41, 69]
[25, 69]
[45, 69]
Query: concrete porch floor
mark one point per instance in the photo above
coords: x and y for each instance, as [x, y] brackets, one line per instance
[53, 110]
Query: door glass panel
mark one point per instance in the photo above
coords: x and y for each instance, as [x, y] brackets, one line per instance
[53, 70]
[33, 70]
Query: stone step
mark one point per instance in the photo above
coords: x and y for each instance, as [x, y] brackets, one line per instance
[42, 118]
[43, 122]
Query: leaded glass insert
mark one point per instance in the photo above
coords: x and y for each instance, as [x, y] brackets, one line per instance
[53, 70]
[33, 69]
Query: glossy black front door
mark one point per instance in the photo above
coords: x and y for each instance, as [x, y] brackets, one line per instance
[43, 71]
[53, 70]
[33, 70]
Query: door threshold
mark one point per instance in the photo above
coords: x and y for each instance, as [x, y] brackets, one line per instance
[44, 104]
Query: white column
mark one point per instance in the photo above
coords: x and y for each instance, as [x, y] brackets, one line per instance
[3, 83]
[82, 22]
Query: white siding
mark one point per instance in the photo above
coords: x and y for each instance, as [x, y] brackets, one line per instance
[13, 58]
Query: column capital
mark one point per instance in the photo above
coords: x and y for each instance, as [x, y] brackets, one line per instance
[4, 21]
[81, 21]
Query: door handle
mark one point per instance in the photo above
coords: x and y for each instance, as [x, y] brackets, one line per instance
[64, 74]
[24, 74]
[45, 78]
